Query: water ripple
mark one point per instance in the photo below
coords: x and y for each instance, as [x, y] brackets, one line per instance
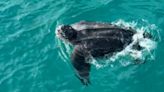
[31, 58]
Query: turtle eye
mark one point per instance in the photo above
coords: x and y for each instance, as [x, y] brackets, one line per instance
[64, 31]
[64, 35]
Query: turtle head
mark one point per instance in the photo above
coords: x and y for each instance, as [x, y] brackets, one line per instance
[66, 32]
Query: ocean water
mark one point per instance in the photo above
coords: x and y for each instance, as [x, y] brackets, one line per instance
[32, 59]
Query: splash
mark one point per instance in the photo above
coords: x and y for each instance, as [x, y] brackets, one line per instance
[130, 55]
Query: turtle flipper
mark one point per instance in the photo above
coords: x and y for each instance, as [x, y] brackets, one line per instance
[82, 67]
[84, 81]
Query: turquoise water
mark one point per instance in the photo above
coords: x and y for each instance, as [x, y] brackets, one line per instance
[31, 59]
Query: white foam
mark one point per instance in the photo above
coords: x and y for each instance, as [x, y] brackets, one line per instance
[128, 55]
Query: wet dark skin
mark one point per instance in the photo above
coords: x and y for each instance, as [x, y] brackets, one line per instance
[96, 42]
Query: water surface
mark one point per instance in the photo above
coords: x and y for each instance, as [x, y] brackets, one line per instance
[30, 60]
